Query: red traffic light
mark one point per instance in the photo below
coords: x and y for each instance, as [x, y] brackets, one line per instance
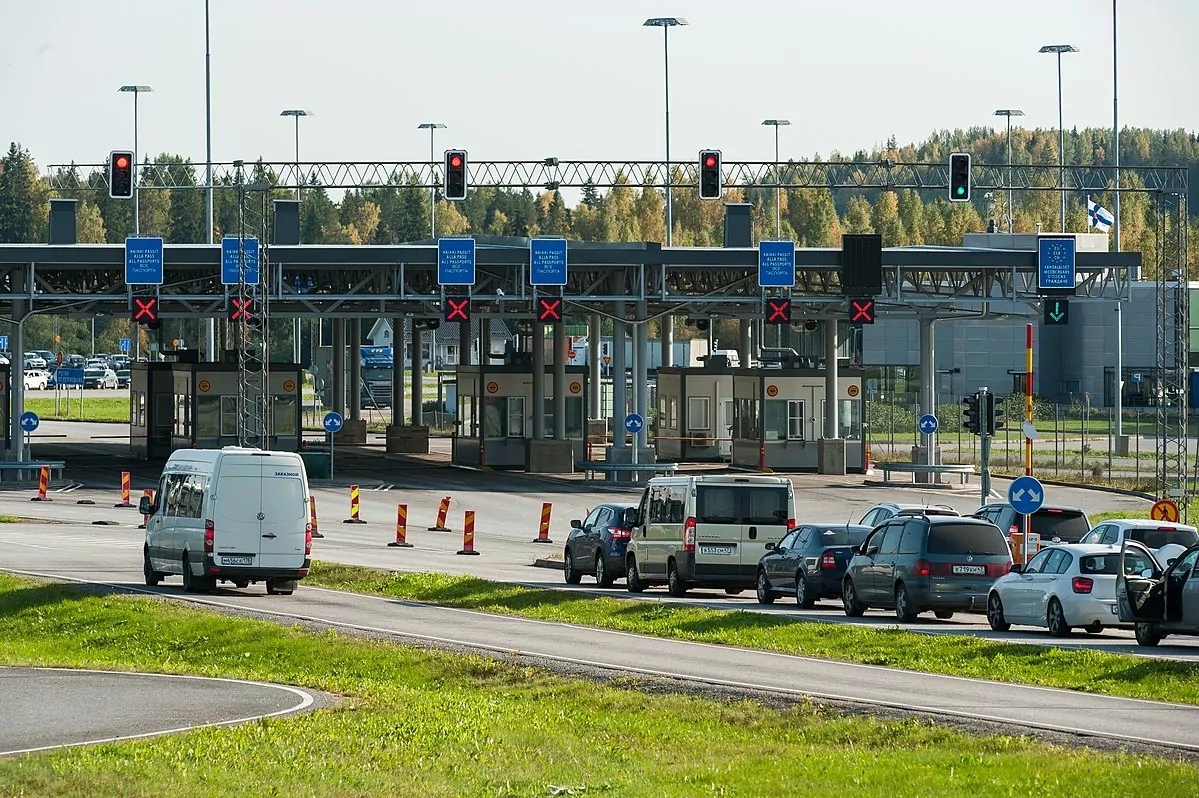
[710, 161]
[122, 161]
[455, 160]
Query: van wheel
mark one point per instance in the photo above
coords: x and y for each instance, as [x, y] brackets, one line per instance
[631, 580]
[674, 583]
[573, 575]
[280, 587]
[1055, 619]
[904, 611]
[765, 596]
[152, 576]
[195, 584]
[602, 577]
[1147, 634]
[995, 614]
[849, 600]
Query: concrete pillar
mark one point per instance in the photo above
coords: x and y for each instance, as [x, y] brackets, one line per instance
[355, 335]
[465, 343]
[928, 369]
[16, 385]
[538, 338]
[339, 366]
[640, 369]
[830, 449]
[667, 323]
[745, 348]
[559, 382]
[594, 365]
[485, 342]
[397, 371]
[620, 406]
[418, 377]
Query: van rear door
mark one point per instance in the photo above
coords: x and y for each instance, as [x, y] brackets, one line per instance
[284, 513]
[237, 510]
[766, 517]
[718, 510]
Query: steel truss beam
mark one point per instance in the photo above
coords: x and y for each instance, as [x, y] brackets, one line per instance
[1173, 350]
[551, 174]
[251, 329]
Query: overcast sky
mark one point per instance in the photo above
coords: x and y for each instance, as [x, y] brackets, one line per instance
[523, 79]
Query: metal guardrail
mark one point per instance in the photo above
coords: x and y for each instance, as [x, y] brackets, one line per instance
[963, 470]
[589, 467]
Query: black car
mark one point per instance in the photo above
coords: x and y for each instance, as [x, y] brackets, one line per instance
[1054, 523]
[809, 562]
[597, 545]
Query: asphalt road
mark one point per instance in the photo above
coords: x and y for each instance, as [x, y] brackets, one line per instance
[50, 708]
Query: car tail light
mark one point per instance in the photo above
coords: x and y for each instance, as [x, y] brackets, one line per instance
[689, 535]
[998, 569]
[828, 560]
[1013, 529]
[1166, 528]
[621, 534]
[307, 539]
[1082, 584]
[922, 567]
[790, 524]
[209, 535]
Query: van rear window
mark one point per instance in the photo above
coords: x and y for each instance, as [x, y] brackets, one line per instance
[765, 506]
[717, 504]
[738, 504]
[966, 539]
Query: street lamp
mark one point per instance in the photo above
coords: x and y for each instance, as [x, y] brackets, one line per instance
[136, 216]
[1009, 113]
[778, 191]
[1061, 136]
[666, 23]
[432, 126]
[297, 113]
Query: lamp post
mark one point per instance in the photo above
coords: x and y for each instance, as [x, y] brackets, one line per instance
[297, 113]
[136, 216]
[209, 323]
[666, 23]
[432, 126]
[1009, 113]
[778, 190]
[1061, 135]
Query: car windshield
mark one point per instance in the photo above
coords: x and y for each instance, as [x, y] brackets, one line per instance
[965, 539]
[1164, 536]
[842, 536]
[1068, 526]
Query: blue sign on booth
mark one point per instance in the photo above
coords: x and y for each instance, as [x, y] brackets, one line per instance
[776, 264]
[547, 261]
[1056, 264]
[143, 261]
[125, 344]
[928, 423]
[455, 261]
[1026, 495]
[29, 421]
[230, 267]
[634, 423]
[65, 377]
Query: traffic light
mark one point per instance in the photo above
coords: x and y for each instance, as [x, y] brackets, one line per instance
[456, 308]
[970, 417]
[711, 179]
[549, 310]
[120, 174]
[242, 310]
[455, 174]
[959, 177]
[778, 309]
[994, 415]
[1057, 311]
[145, 311]
[861, 310]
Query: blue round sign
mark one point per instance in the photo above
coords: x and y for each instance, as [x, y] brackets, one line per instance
[634, 423]
[1026, 495]
[29, 421]
[332, 421]
[928, 424]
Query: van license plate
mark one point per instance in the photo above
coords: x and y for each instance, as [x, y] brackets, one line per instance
[720, 551]
[237, 561]
[969, 569]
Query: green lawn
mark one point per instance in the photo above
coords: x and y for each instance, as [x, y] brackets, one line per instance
[417, 723]
[107, 408]
[1092, 671]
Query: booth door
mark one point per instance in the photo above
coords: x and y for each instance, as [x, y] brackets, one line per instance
[724, 429]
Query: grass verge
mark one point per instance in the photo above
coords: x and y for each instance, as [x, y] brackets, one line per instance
[100, 408]
[419, 723]
[1085, 670]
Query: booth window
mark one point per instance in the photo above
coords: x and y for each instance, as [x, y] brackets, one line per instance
[795, 420]
[697, 413]
[747, 419]
[516, 417]
[140, 415]
[228, 415]
[208, 416]
[849, 419]
[466, 416]
[181, 414]
[574, 417]
[283, 415]
[774, 419]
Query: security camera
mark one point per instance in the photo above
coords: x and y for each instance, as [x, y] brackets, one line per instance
[499, 292]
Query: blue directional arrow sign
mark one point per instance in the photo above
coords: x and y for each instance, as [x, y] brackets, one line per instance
[4, 342]
[1026, 495]
[547, 261]
[455, 261]
[634, 423]
[332, 421]
[230, 256]
[928, 423]
[29, 421]
[776, 264]
[1055, 265]
[125, 344]
[143, 261]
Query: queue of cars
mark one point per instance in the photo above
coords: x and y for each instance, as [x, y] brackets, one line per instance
[740, 533]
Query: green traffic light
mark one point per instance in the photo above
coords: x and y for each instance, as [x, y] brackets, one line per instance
[961, 190]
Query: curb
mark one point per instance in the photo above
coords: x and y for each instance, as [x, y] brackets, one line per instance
[553, 564]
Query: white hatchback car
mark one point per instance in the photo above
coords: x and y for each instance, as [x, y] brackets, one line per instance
[1061, 587]
[1164, 539]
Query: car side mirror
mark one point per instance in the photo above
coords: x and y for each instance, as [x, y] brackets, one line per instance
[630, 518]
[143, 505]
[1017, 568]
[771, 546]
[1147, 573]
[576, 523]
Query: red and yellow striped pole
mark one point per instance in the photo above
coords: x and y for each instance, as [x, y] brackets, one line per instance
[316, 533]
[355, 517]
[401, 541]
[43, 484]
[442, 511]
[468, 533]
[543, 533]
[125, 489]
[1028, 440]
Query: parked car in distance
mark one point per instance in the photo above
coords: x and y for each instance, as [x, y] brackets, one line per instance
[99, 378]
[885, 511]
[1061, 587]
[1164, 539]
[597, 544]
[123, 378]
[911, 564]
[47, 356]
[1054, 523]
[809, 562]
[74, 361]
[1160, 600]
[36, 379]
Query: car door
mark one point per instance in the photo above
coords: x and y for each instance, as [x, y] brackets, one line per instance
[593, 535]
[864, 578]
[886, 564]
[1139, 585]
[159, 541]
[1180, 582]
[1048, 582]
[1019, 595]
[776, 564]
[1190, 591]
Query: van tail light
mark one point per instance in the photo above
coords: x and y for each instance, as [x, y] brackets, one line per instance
[689, 535]
[1082, 584]
[209, 535]
[922, 567]
[307, 539]
[828, 560]
[790, 524]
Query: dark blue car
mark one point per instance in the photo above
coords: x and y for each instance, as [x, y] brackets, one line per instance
[597, 545]
[809, 562]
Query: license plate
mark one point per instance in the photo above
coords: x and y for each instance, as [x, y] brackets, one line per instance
[969, 569]
[720, 551]
[237, 561]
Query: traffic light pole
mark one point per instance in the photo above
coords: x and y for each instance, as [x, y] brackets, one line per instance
[985, 466]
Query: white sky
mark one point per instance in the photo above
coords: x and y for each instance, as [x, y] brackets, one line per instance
[526, 79]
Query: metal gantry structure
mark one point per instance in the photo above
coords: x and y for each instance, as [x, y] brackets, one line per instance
[251, 329]
[1173, 349]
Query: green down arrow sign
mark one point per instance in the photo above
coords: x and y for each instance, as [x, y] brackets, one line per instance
[1057, 311]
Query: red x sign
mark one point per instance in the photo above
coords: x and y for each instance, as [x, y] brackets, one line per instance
[145, 310]
[549, 310]
[241, 311]
[780, 311]
[456, 309]
[862, 311]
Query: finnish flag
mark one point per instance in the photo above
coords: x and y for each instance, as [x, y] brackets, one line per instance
[1099, 216]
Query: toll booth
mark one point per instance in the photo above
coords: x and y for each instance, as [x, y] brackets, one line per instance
[695, 413]
[5, 408]
[778, 418]
[194, 406]
[495, 413]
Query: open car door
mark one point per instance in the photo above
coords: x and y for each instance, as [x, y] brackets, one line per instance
[1140, 585]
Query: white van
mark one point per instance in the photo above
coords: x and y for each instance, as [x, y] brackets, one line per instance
[706, 531]
[234, 515]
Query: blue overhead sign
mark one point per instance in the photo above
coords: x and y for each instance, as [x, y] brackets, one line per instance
[230, 257]
[125, 344]
[455, 261]
[547, 261]
[65, 377]
[143, 261]
[776, 264]
[1055, 264]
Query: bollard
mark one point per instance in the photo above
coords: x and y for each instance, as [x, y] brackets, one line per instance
[468, 533]
[401, 541]
[543, 534]
[124, 491]
[354, 511]
[149, 494]
[312, 518]
[442, 511]
[869, 469]
[43, 484]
